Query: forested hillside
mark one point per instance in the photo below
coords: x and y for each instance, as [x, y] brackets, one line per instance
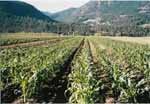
[18, 16]
[113, 17]
[121, 18]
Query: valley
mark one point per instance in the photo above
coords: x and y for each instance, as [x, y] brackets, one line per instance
[92, 52]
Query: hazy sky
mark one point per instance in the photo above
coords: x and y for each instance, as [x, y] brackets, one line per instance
[55, 5]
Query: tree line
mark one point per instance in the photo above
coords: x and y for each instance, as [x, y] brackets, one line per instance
[12, 24]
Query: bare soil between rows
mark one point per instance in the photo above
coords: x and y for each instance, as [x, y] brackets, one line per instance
[101, 75]
[58, 85]
[29, 44]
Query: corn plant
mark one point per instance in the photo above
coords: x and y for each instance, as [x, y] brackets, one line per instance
[82, 86]
[127, 65]
[30, 67]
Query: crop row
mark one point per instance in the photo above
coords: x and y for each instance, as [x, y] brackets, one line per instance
[30, 67]
[110, 71]
[126, 69]
[102, 70]
[82, 86]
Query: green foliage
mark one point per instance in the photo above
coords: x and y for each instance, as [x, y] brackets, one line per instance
[127, 65]
[82, 86]
[121, 70]
[17, 8]
[31, 66]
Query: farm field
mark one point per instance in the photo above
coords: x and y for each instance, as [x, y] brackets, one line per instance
[83, 70]
[140, 40]
[17, 38]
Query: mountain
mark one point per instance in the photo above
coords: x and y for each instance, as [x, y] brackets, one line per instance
[18, 8]
[105, 11]
[130, 18]
[16, 16]
[48, 14]
[64, 16]
[113, 17]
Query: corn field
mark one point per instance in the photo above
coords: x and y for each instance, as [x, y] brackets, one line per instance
[82, 70]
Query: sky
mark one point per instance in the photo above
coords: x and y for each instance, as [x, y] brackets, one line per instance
[55, 5]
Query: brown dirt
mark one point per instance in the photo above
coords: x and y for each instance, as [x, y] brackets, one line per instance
[102, 75]
[37, 43]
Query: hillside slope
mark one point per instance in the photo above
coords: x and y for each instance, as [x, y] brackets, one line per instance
[64, 16]
[16, 16]
[16, 8]
[123, 17]
[106, 11]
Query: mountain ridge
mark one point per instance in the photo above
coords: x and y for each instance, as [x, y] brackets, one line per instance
[123, 18]
[102, 9]
[19, 8]
[18, 16]
[111, 17]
